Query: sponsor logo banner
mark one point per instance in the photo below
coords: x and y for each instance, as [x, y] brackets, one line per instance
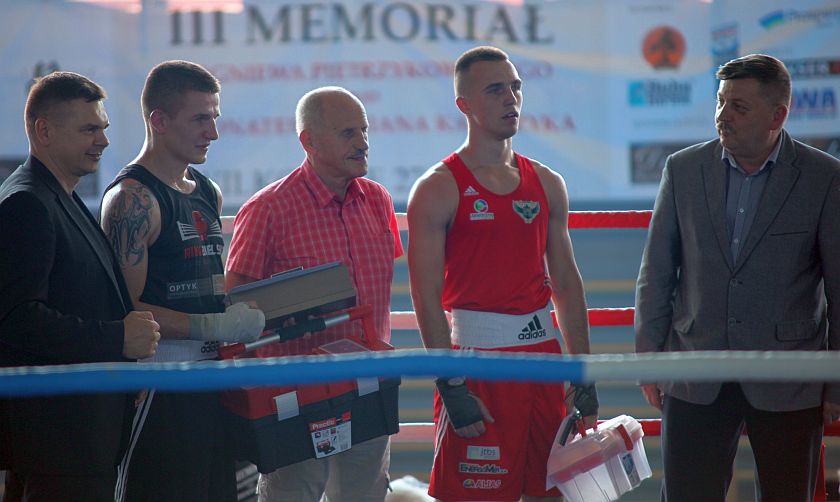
[596, 77]
[725, 45]
[663, 47]
[648, 159]
[813, 103]
[813, 68]
[829, 16]
[659, 92]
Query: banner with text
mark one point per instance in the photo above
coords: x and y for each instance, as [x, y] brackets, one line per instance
[611, 87]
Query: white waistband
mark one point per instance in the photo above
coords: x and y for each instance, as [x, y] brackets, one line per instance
[183, 350]
[489, 330]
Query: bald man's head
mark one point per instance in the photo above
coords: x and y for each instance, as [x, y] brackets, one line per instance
[309, 113]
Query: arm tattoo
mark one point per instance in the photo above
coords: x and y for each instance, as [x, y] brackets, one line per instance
[130, 223]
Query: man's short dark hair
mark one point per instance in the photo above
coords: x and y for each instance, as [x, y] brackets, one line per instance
[167, 83]
[59, 87]
[472, 56]
[770, 72]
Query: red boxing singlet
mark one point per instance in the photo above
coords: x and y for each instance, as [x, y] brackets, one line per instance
[495, 250]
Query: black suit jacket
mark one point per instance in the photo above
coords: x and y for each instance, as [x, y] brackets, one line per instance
[62, 301]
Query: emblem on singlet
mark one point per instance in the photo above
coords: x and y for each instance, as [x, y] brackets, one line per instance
[199, 228]
[470, 192]
[481, 211]
[202, 230]
[526, 209]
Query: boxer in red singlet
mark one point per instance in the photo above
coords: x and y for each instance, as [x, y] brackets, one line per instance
[490, 244]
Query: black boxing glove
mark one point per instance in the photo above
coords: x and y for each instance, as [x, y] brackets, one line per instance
[586, 399]
[460, 405]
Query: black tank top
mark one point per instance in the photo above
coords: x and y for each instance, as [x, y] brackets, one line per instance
[185, 263]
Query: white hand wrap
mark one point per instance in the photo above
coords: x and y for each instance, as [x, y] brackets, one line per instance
[239, 323]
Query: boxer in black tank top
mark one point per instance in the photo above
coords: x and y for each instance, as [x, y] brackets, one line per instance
[185, 273]
[162, 218]
[185, 268]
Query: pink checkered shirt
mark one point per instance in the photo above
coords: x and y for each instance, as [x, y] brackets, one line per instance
[298, 222]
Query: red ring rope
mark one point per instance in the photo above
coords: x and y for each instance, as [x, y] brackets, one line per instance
[609, 219]
[611, 317]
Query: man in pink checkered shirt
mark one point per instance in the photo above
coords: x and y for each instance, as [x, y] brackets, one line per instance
[325, 211]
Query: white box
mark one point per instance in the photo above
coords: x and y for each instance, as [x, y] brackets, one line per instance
[601, 466]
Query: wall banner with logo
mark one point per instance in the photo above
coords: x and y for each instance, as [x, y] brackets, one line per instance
[806, 36]
[610, 87]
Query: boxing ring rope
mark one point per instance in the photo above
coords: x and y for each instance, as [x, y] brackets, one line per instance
[577, 220]
[211, 375]
[423, 432]
[715, 365]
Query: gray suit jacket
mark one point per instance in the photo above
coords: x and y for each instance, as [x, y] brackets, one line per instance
[691, 296]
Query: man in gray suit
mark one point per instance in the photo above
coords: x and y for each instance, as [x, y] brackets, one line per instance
[742, 255]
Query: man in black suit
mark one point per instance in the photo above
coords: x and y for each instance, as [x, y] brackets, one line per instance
[62, 301]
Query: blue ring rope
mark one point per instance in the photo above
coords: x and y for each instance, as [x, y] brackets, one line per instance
[792, 366]
[213, 375]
